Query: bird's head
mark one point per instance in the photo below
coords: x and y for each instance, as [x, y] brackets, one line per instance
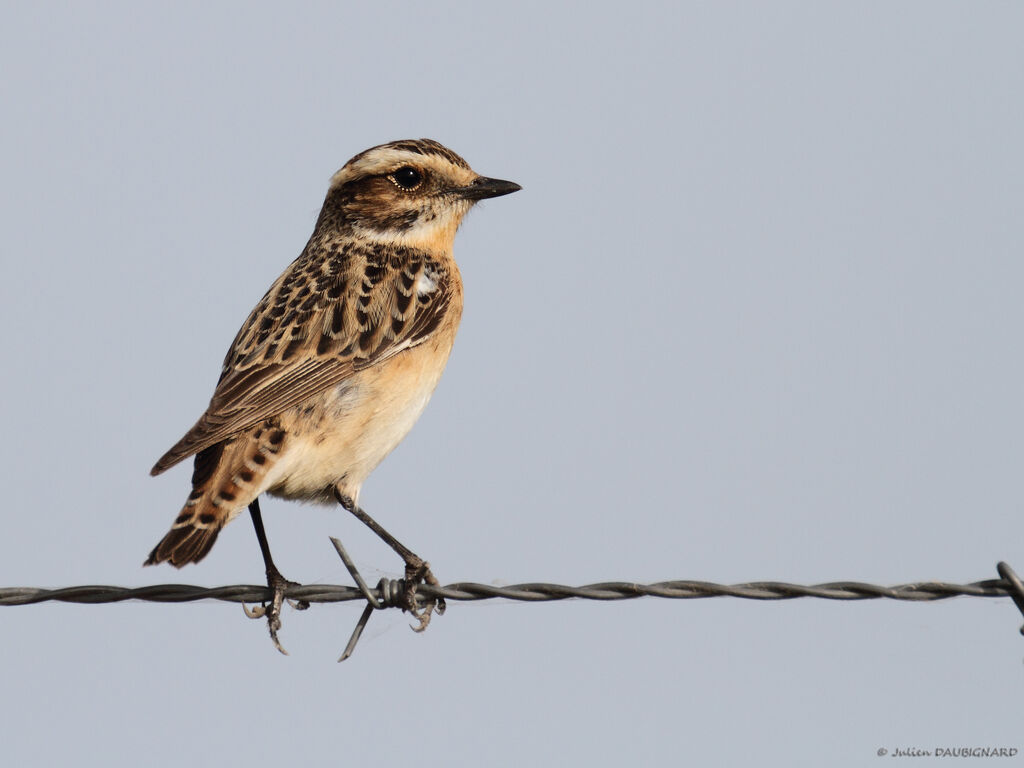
[412, 192]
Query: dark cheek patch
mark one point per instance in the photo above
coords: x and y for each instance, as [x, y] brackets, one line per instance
[400, 221]
[379, 205]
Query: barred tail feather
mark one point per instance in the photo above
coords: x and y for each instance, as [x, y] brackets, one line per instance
[181, 546]
[226, 479]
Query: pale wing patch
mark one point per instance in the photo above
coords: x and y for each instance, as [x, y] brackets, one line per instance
[426, 282]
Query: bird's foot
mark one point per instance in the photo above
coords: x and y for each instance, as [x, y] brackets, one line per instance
[417, 571]
[277, 584]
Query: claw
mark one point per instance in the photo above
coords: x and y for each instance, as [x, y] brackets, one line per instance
[418, 572]
[278, 584]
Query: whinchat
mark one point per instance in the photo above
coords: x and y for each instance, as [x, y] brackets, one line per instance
[337, 361]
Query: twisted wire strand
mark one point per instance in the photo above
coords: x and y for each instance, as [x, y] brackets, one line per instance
[388, 593]
[532, 592]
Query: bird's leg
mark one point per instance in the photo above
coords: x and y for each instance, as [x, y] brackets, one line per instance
[275, 581]
[417, 570]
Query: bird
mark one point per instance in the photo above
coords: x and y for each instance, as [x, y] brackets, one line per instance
[337, 361]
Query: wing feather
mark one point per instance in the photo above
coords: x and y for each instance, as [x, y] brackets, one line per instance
[333, 312]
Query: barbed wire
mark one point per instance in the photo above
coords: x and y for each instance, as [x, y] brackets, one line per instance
[388, 592]
[533, 592]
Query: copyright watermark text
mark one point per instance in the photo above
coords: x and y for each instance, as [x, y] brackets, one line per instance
[948, 752]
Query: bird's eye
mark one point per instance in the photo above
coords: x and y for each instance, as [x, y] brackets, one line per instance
[407, 178]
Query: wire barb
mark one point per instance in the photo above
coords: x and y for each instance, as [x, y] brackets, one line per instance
[1014, 586]
[389, 592]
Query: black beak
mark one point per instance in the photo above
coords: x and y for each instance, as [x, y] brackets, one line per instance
[484, 187]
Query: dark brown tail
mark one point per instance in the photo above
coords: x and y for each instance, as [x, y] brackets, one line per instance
[188, 544]
[226, 479]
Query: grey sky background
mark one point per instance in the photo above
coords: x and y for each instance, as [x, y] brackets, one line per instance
[756, 314]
